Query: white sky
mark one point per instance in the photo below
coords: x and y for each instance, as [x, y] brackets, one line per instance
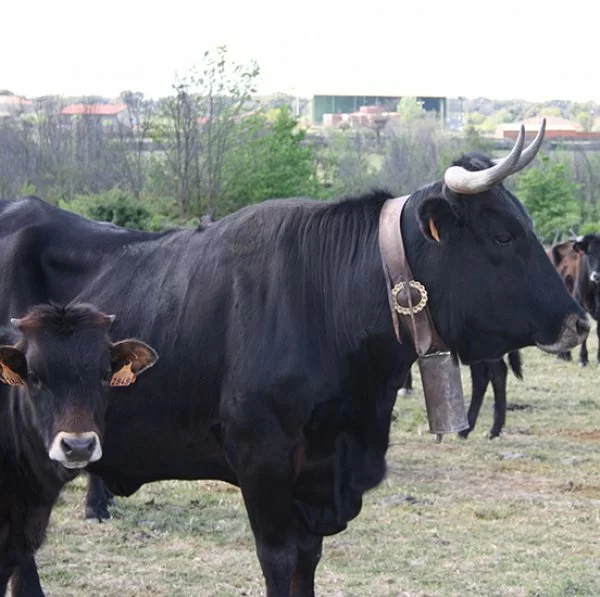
[508, 49]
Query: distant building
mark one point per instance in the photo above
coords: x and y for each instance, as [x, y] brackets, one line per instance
[348, 104]
[556, 128]
[107, 114]
[13, 105]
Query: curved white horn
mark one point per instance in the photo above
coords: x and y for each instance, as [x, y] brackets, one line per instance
[464, 182]
[529, 153]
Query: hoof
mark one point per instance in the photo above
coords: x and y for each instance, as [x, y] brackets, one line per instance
[405, 391]
[464, 434]
[98, 513]
[493, 435]
[583, 364]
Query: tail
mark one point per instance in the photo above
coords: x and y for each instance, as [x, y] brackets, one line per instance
[515, 362]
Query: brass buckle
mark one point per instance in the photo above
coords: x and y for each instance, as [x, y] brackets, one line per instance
[415, 308]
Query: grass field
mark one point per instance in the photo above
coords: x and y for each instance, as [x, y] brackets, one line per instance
[514, 516]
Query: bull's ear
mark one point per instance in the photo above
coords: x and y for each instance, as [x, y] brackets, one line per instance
[436, 218]
[129, 358]
[13, 366]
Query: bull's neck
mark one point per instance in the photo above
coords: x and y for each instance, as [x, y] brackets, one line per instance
[427, 266]
[351, 285]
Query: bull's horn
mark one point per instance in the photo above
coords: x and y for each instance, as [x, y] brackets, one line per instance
[464, 182]
[528, 154]
[16, 322]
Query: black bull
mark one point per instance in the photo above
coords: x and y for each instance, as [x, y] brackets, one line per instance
[279, 365]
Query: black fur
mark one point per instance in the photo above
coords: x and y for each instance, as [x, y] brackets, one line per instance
[279, 366]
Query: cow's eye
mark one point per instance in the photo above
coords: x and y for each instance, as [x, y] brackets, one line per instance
[504, 239]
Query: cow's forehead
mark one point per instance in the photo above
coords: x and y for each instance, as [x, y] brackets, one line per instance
[498, 202]
[82, 347]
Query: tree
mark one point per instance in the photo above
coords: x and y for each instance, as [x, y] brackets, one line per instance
[410, 109]
[270, 161]
[132, 136]
[586, 120]
[178, 133]
[197, 127]
[550, 196]
[226, 90]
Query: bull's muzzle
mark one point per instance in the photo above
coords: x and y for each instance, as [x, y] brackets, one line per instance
[75, 450]
[574, 331]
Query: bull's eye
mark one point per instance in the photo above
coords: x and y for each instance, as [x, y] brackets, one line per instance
[504, 239]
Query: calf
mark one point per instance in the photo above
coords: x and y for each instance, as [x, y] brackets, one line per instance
[578, 264]
[59, 369]
[482, 374]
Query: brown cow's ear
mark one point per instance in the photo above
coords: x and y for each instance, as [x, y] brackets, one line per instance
[129, 359]
[13, 366]
[436, 218]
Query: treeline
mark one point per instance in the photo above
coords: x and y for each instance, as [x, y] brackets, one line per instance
[212, 147]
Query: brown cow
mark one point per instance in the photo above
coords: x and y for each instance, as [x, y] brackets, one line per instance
[578, 264]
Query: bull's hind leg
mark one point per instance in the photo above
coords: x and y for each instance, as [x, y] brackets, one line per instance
[25, 580]
[407, 387]
[479, 381]
[310, 548]
[498, 373]
[583, 354]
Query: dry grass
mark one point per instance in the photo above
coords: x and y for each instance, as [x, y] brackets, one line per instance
[516, 516]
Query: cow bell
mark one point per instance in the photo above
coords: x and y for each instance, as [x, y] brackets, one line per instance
[442, 386]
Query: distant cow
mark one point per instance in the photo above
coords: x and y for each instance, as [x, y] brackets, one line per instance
[59, 367]
[482, 374]
[578, 263]
[279, 363]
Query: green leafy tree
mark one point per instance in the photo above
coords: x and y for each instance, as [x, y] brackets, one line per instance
[586, 120]
[269, 161]
[410, 109]
[549, 194]
[115, 206]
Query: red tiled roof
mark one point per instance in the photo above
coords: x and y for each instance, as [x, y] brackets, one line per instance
[14, 99]
[95, 109]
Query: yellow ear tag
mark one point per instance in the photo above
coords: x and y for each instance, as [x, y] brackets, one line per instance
[123, 377]
[434, 230]
[9, 376]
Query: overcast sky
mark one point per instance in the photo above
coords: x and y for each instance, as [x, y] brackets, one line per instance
[505, 49]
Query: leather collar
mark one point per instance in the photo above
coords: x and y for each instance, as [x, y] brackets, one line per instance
[407, 297]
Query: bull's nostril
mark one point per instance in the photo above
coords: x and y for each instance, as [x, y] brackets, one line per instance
[78, 448]
[66, 448]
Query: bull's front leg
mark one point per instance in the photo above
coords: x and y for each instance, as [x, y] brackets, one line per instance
[26, 580]
[266, 462]
[310, 548]
[97, 499]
